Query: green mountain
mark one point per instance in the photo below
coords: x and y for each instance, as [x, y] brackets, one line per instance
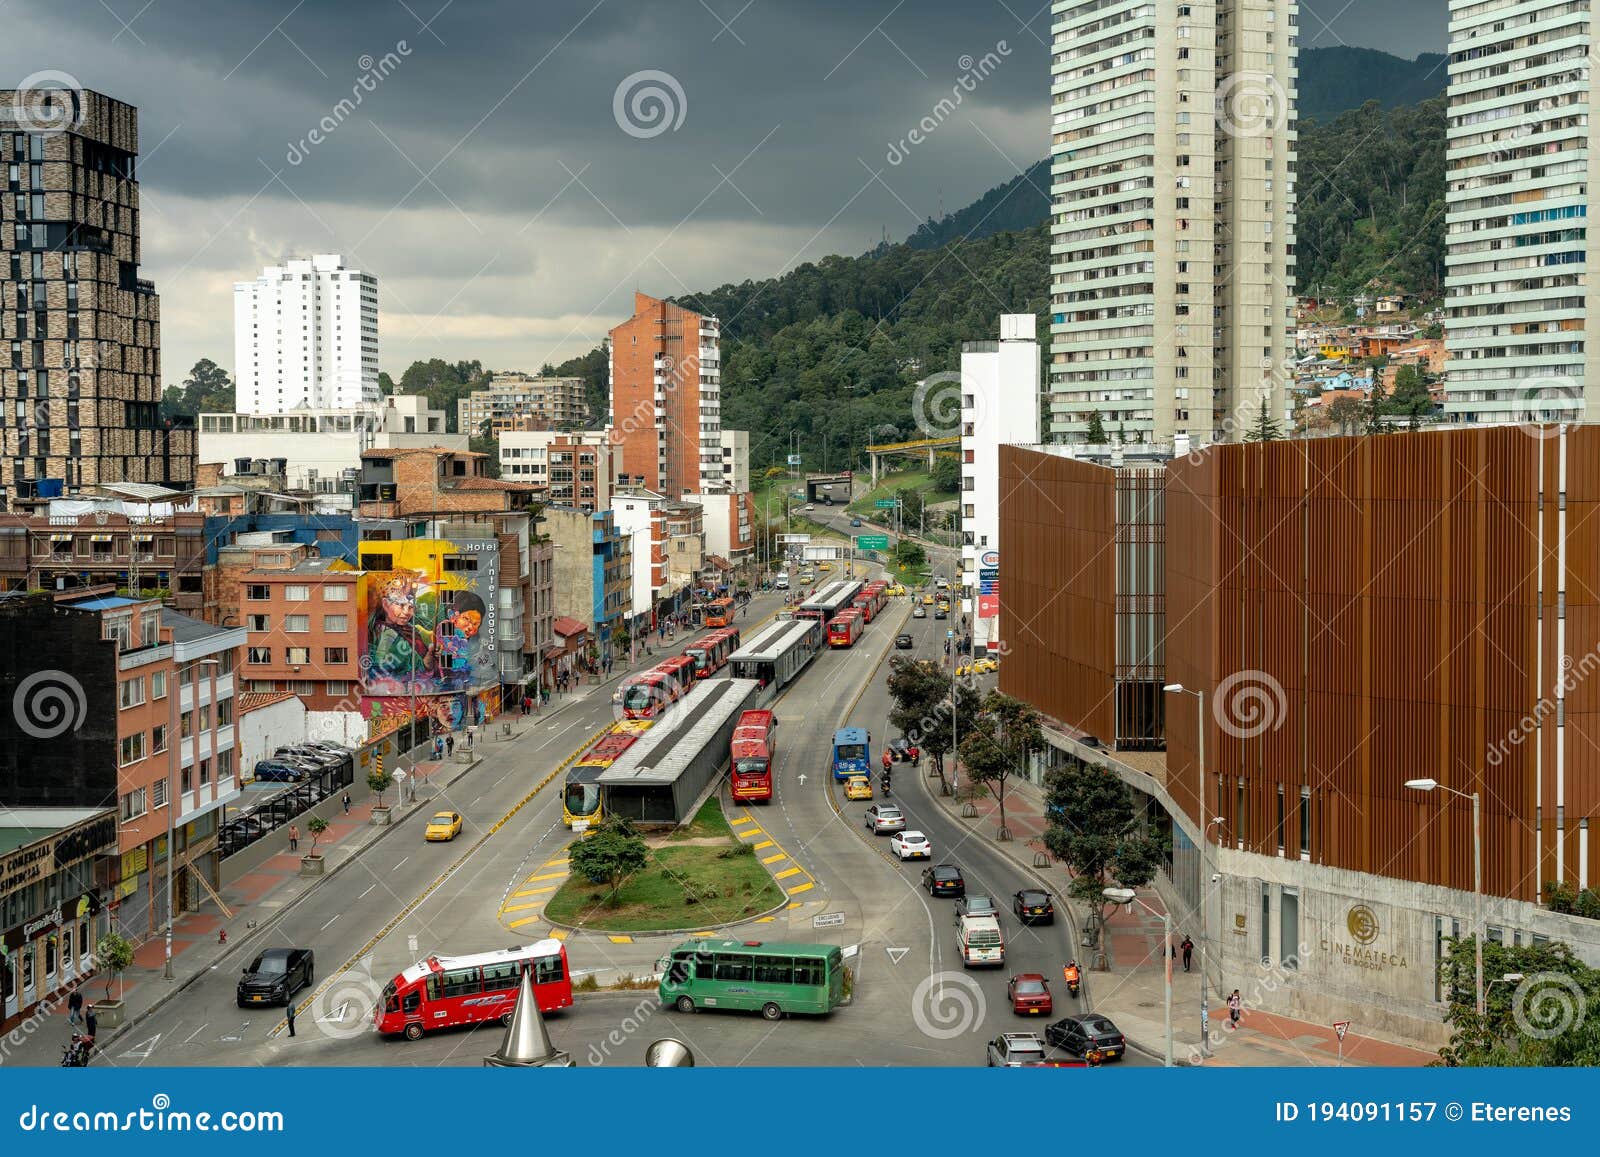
[1337, 80]
[1020, 203]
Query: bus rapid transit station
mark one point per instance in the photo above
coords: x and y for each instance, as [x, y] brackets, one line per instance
[662, 778]
[830, 599]
[777, 654]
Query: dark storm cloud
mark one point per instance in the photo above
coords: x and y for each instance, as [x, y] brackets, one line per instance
[1403, 27]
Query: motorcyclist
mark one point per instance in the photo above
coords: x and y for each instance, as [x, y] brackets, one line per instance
[888, 761]
[1069, 973]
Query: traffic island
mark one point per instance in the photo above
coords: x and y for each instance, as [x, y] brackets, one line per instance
[697, 877]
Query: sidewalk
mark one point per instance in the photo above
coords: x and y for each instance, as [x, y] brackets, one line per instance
[1132, 991]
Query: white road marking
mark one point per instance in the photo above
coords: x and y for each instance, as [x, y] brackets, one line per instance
[195, 1033]
[324, 928]
[144, 1048]
[397, 867]
[363, 895]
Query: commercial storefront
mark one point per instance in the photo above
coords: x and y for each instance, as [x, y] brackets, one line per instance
[50, 901]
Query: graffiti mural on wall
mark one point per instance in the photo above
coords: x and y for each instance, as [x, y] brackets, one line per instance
[430, 622]
[443, 713]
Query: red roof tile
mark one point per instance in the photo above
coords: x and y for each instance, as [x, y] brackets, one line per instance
[568, 626]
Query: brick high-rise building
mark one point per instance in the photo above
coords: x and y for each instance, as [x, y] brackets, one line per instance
[83, 330]
[666, 398]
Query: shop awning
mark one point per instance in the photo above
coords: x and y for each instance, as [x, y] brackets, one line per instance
[100, 538]
[61, 538]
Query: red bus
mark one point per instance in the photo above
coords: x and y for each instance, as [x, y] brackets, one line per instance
[710, 654]
[719, 613]
[649, 694]
[870, 601]
[447, 991]
[754, 746]
[845, 628]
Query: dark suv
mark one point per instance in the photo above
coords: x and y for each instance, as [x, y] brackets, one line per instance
[944, 880]
[1033, 906]
[275, 976]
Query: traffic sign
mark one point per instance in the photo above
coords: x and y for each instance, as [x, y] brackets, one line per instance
[828, 920]
[872, 542]
[1341, 1027]
[795, 459]
[886, 503]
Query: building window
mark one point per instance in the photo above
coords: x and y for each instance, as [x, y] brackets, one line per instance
[158, 685]
[205, 717]
[130, 692]
[158, 793]
[205, 772]
[258, 655]
[336, 594]
[335, 624]
[131, 749]
[1289, 928]
[298, 655]
[297, 593]
[303, 687]
[336, 655]
[258, 592]
[224, 711]
[297, 624]
[337, 687]
[132, 805]
[1305, 823]
[224, 765]
[258, 622]
[186, 725]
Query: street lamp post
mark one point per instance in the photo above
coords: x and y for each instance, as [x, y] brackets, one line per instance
[1477, 875]
[1127, 896]
[1205, 878]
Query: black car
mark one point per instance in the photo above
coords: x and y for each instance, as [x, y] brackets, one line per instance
[1033, 906]
[275, 976]
[1084, 1031]
[940, 613]
[904, 642]
[944, 880]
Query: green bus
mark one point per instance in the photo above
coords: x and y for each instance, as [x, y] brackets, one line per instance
[774, 976]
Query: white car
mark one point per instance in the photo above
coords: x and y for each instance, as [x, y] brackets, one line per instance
[911, 846]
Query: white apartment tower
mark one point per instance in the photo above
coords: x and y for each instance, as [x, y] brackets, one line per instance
[1173, 223]
[1520, 164]
[305, 336]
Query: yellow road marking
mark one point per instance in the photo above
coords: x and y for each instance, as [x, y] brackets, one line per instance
[547, 876]
[524, 920]
[557, 863]
[700, 934]
[620, 939]
[533, 891]
[786, 873]
[766, 920]
[763, 844]
[558, 934]
[776, 858]
[795, 904]
[798, 888]
[531, 904]
[748, 832]
[743, 820]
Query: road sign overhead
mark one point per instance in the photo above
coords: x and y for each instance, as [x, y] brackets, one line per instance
[795, 459]
[872, 542]
[885, 503]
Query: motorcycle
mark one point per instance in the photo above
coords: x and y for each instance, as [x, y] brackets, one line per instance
[1073, 979]
[884, 783]
[75, 1055]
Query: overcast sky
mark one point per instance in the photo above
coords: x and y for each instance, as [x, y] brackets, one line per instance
[496, 174]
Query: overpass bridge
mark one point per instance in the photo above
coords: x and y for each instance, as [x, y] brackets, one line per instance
[917, 448]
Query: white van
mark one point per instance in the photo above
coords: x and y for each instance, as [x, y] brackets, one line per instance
[980, 942]
[781, 582]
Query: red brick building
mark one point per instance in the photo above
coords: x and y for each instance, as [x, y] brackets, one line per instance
[304, 632]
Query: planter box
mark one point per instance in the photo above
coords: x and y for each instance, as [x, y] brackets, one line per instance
[312, 866]
[380, 817]
[109, 1013]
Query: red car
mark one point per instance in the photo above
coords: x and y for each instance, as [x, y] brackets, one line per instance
[1029, 994]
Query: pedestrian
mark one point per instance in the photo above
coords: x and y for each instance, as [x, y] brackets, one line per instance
[288, 1013]
[91, 1021]
[1188, 951]
[294, 837]
[75, 1007]
[1235, 1006]
[346, 802]
[449, 744]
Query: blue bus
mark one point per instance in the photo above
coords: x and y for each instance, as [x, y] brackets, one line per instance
[852, 752]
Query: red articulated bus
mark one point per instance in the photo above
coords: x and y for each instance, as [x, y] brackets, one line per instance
[870, 601]
[711, 653]
[752, 751]
[845, 628]
[448, 991]
[719, 612]
[649, 694]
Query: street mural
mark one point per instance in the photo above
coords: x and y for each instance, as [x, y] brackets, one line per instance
[430, 621]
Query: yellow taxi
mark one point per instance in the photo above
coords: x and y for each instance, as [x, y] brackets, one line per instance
[895, 590]
[858, 787]
[825, 566]
[443, 826]
[978, 667]
[927, 600]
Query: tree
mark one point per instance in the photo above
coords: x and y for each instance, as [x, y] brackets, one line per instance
[1410, 398]
[114, 953]
[317, 826]
[379, 782]
[923, 710]
[910, 554]
[207, 389]
[910, 507]
[1549, 1018]
[1002, 735]
[1374, 409]
[1346, 413]
[1265, 428]
[1094, 830]
[947, 474]
[489, 446]
[610, 854]
[1097, 429]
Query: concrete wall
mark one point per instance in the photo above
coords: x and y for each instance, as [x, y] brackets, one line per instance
[261, 732]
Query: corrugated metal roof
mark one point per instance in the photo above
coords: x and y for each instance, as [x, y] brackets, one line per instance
[663, 753]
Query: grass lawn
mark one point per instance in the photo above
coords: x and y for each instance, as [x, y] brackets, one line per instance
[687, 885]
[889, 484]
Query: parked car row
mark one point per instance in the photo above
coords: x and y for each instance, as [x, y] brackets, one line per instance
[298, 761]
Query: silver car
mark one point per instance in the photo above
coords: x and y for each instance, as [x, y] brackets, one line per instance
[885, 819]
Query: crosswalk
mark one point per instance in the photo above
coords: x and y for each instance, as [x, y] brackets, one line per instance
[791, 876]
[525, 904]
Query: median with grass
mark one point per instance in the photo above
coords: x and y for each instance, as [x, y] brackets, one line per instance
[697, 876]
